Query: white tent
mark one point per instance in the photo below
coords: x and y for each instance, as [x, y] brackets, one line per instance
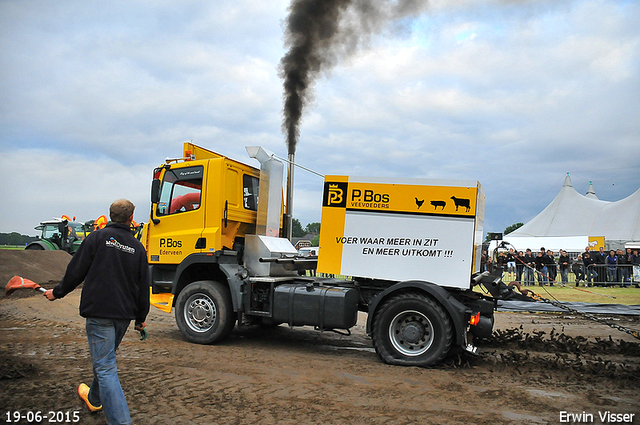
[591, 193]
[554, 243]
[574, 214]
[620, 220]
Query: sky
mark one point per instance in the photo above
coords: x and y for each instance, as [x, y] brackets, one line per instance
[513, 94]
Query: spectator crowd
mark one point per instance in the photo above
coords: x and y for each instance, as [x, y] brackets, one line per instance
[591, 268]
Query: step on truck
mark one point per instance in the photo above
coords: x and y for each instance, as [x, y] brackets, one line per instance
[409, 249]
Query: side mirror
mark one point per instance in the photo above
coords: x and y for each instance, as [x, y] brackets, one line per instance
[155, 191]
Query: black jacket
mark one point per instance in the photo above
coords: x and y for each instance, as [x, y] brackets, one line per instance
[541, 261]
[564, 261]
[113, 265]
[529, 260]
[588, 261]
[549, 260]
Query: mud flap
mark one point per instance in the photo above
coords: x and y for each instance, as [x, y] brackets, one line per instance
[162, 301]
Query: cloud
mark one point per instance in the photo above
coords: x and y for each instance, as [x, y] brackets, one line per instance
[511, 93]
[41, 184]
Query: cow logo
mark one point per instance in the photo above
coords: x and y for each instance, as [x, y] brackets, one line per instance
[335, 194]
[461, 202]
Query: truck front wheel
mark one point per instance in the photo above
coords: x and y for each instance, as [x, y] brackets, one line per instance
[411, 329]
[204, 312]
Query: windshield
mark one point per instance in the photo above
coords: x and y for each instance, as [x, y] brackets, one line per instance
[76, 230]
[50, 231]
[181, 190]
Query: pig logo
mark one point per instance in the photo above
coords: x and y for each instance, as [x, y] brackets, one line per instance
[437, 204]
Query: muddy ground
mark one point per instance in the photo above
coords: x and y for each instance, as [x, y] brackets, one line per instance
[301, 376]
[554, 363]
[39, 266]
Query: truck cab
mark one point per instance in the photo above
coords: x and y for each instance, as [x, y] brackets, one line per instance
[203, 205]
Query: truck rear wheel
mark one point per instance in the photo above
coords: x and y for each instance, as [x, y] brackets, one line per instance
[204, 312]
[411, 329]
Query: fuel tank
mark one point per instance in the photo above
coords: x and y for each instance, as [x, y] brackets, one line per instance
[327, 307]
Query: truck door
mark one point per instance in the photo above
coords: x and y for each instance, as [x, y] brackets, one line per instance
[179, 216]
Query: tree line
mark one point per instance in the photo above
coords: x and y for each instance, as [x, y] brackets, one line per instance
[15, 238]
[507, 230]
[297, 231]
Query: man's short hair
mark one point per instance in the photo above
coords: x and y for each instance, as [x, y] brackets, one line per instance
[121, 210]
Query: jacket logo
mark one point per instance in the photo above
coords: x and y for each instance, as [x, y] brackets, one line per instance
[113, 243]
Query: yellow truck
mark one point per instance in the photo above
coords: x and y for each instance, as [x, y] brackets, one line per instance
[410, 248]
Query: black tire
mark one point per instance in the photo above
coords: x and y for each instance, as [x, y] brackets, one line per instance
[204, 312]
[35, 247]
[411, 329]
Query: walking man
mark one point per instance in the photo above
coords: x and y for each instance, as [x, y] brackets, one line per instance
[113, 265]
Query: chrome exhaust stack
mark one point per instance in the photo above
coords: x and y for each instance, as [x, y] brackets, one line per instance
[265, 247]
[288, 225]
[270, 194]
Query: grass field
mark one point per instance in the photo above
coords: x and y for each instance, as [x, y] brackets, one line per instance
[603, 295]
[11, 247]
[600, 295]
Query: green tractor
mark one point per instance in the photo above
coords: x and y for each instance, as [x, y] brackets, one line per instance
[60, 234]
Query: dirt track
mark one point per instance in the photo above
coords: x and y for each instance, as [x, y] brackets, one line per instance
[301, 376]
[39, 266]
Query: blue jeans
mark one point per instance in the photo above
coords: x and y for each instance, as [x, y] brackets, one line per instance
[104, 336]
[543, 277]
[611, 274]
[591, 274]
[529, 276]
[565, 275]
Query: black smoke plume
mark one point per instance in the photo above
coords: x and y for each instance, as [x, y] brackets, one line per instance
[321, 32]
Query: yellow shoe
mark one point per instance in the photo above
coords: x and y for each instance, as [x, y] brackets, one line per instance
[83, 393]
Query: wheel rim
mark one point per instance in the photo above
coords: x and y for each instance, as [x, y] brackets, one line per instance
[411, 333]
[200, 313]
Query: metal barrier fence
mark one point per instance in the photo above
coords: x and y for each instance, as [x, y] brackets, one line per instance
[594, 275]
